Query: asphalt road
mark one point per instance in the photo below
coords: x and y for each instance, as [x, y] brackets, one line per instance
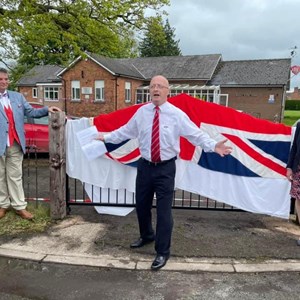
[24, 280]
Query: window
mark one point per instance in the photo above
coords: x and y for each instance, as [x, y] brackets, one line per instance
[271, 99]
[223, 99]
[127, 91]
[75, 90]
[99, 90]
[34, 92]
[206, 93]
[51, 93]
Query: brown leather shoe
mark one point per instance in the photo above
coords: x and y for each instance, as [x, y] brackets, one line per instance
[2, 212]
[23, 213]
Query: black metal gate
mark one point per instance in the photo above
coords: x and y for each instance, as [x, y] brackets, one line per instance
[36, 186]
[77, 195]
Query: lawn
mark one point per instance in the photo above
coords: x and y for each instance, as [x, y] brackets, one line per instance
[12, 224]
[291, 116]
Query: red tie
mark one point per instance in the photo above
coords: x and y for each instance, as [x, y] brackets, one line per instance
[155, 148]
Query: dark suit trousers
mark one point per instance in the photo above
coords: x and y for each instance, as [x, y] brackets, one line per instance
[158, 179]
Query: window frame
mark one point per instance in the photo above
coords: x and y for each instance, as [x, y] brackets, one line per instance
[128, 92]
[34, 92]
[99, 90]
[75, 90]
[51, 93]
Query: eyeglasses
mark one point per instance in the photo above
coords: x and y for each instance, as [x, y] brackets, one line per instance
[158, 86]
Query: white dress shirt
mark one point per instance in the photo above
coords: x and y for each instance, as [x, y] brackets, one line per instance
[4, 100]
[173, 123]
[5, 103]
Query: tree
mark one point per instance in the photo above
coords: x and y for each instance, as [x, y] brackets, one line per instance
[172, 46]
[56, 32]
[159, 39]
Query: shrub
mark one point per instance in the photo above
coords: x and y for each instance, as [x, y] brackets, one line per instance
[292, 105]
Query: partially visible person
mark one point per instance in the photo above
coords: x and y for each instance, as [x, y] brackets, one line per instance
[13, 108]
[158, 126]
[293, 171]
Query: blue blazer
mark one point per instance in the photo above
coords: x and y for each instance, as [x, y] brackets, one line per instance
[20, 108]
[294, 156]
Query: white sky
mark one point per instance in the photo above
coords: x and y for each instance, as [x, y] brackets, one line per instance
[238, 29]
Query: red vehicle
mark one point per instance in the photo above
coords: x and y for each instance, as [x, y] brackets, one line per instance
[37, 132]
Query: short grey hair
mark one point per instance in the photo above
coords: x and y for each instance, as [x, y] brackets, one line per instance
[3, 70]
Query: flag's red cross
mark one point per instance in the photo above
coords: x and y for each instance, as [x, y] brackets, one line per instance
[268, 163]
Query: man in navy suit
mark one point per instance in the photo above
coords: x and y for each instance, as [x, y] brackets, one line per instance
[13, 108]
[158, 126]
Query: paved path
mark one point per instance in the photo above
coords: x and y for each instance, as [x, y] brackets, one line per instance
[203, 242]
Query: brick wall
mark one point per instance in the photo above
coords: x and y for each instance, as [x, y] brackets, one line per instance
[255, 101]
[87, 71]
[295, 95]
[27, 92]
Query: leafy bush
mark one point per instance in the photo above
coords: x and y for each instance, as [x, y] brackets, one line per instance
[292, 105]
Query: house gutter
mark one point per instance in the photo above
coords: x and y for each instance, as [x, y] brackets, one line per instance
[65, 95]
[116, 91]
[283, 103]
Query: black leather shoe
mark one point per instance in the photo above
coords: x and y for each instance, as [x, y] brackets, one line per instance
[159, 262]
[140, 243]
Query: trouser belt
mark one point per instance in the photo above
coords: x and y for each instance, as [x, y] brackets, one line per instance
[159, 163]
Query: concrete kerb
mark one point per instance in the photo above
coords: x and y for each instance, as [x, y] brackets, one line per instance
[174, 264]
[74, 242]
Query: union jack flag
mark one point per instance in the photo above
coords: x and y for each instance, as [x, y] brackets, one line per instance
[260, 147]
[252, 178]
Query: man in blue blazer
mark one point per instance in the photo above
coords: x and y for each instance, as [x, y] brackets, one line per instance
[13, 108]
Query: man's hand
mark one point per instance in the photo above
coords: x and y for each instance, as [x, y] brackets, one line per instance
[222, 149]
[53, 109]
[289, 174]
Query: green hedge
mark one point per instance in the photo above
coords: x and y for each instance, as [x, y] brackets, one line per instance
[292, 104]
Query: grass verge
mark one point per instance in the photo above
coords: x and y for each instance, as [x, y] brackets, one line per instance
[13, 224]
[290, 117]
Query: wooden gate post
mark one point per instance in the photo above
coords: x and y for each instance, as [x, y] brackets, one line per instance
[57, 157]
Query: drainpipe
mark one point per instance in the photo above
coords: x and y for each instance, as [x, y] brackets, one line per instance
[116, 92]
[282, 104]
[64, 95]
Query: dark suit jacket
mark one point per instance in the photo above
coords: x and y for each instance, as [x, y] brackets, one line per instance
[294, 156]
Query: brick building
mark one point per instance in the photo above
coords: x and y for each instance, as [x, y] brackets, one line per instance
[293, 95]
[96, 85]
[41, 84]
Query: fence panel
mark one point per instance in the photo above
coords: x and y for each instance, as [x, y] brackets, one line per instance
[77, 195]
[36, 181]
